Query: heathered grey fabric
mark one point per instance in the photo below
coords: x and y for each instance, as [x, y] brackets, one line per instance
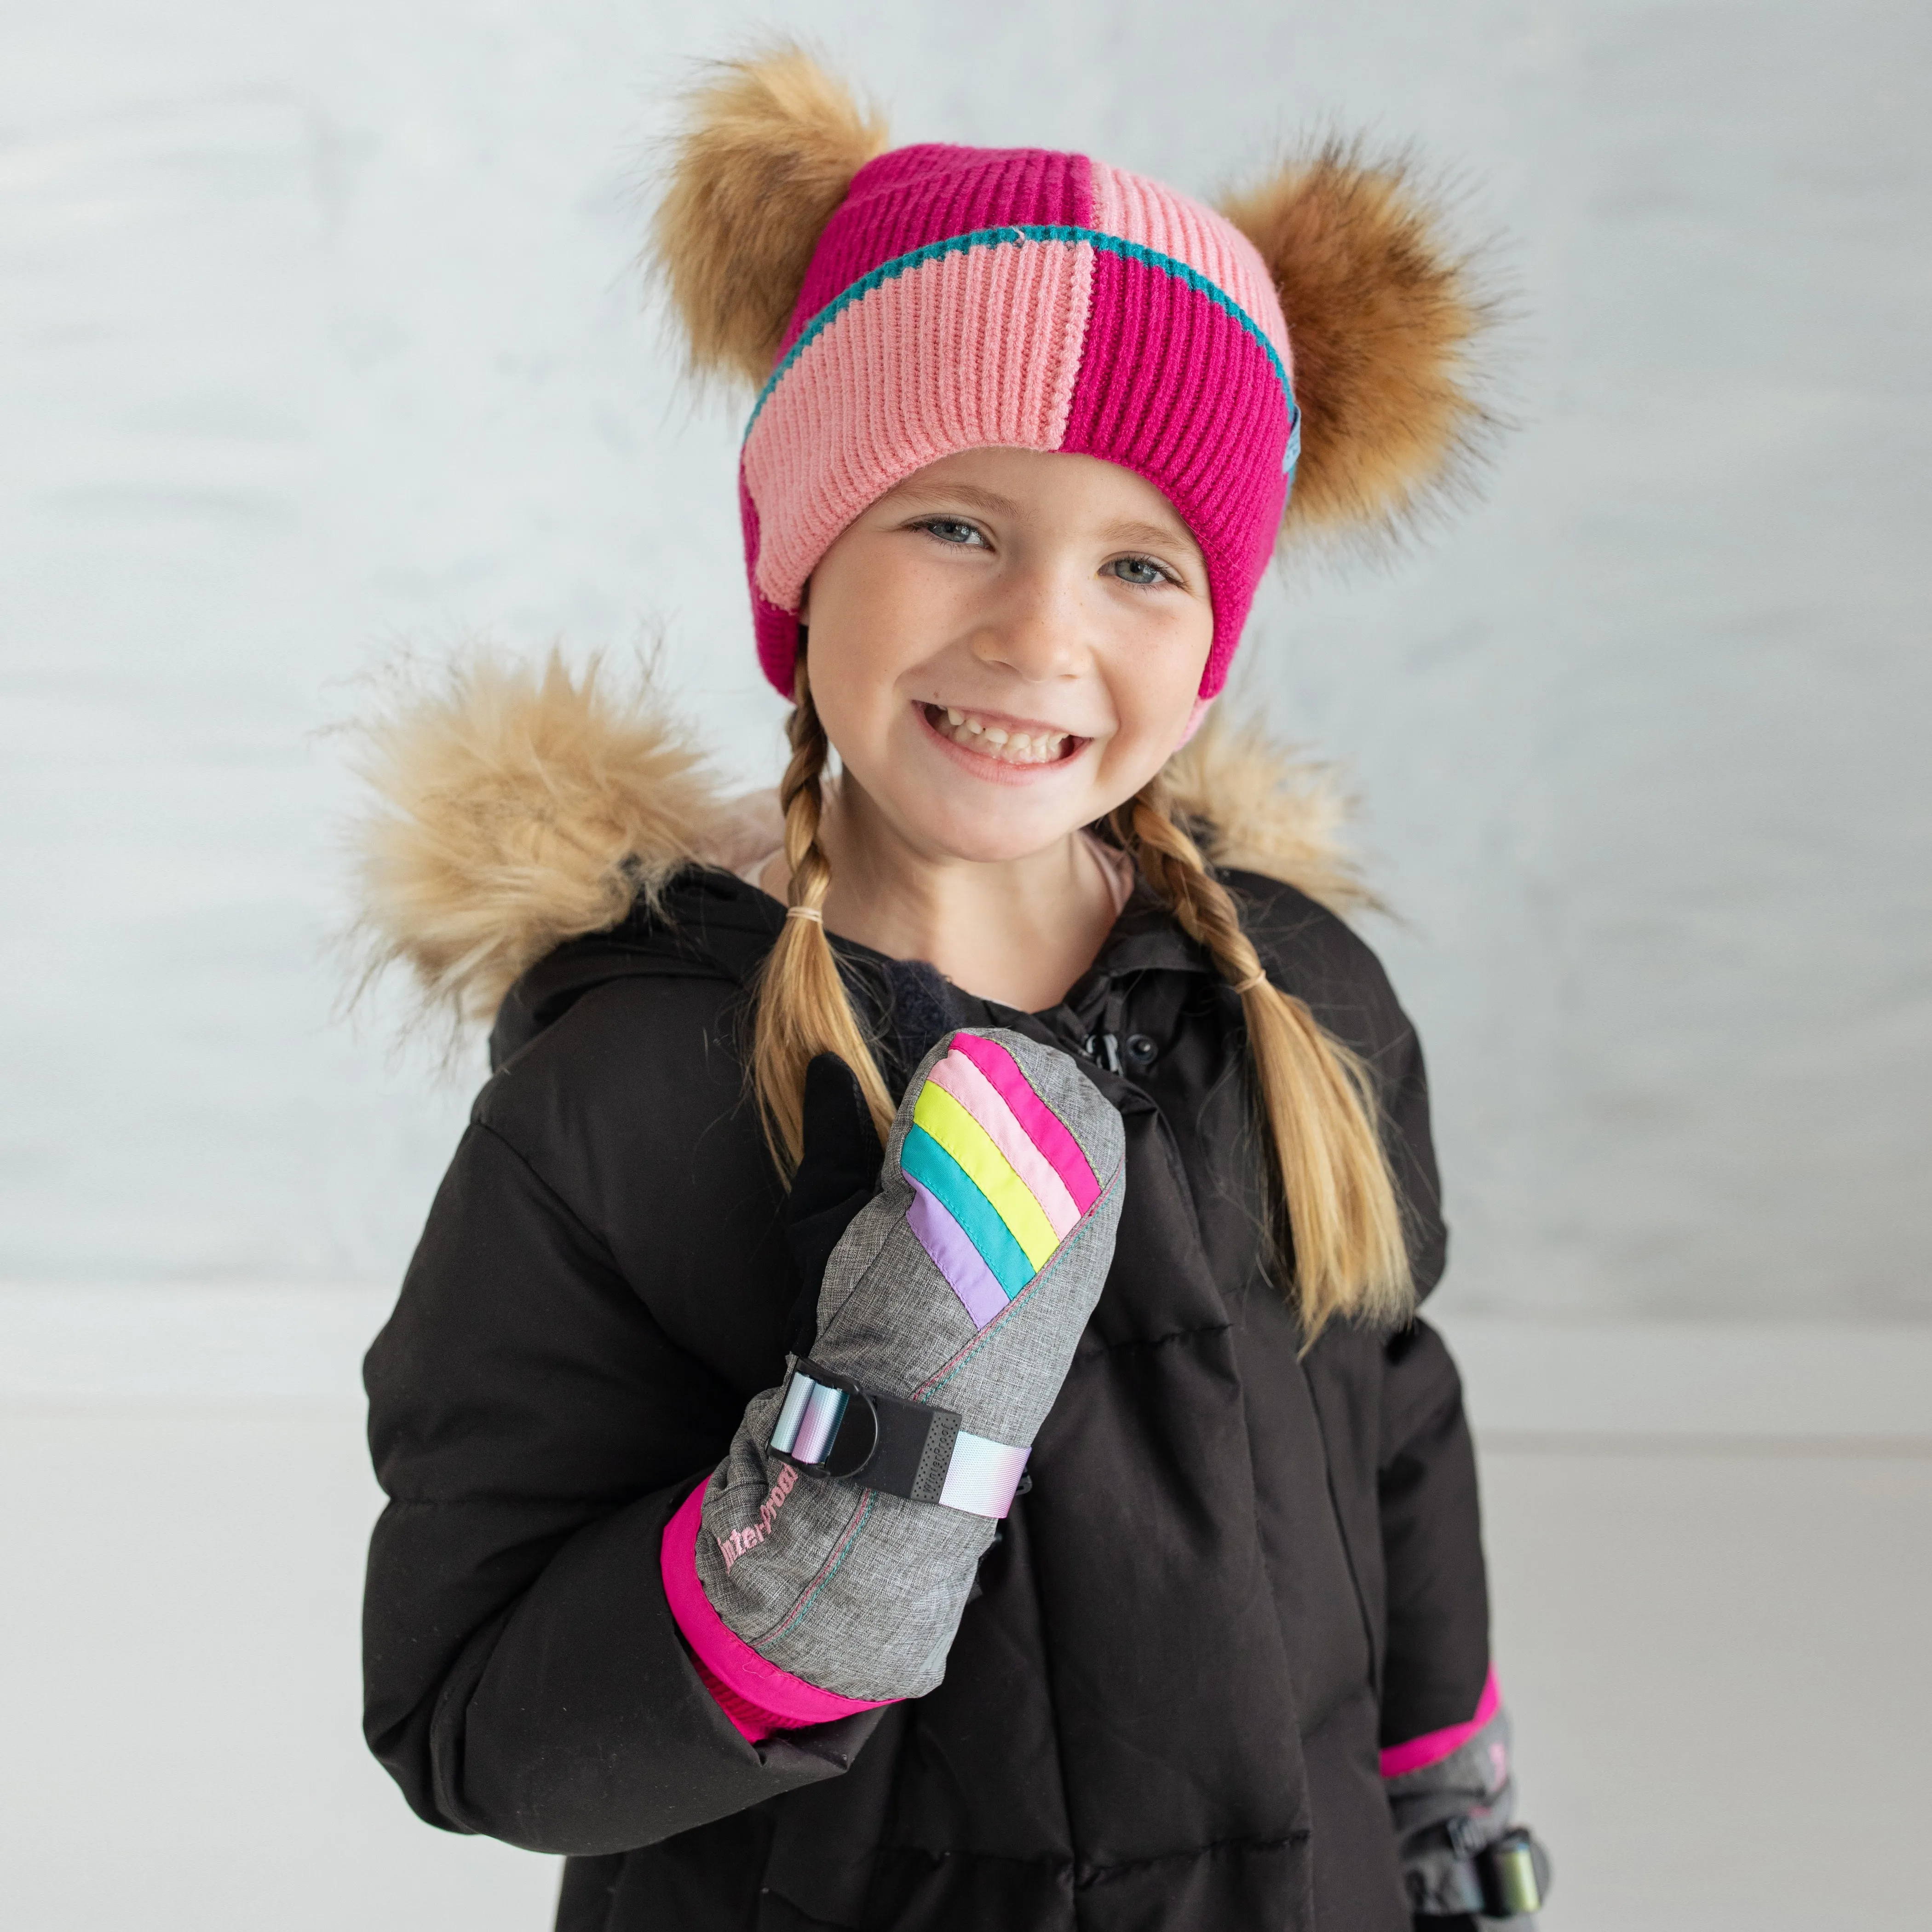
[860, 1592]
[1471, 1791]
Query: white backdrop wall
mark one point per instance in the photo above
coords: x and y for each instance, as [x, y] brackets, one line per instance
[321, 337]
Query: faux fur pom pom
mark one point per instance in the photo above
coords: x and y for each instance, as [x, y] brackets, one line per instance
[1382, 320]
[768, 147]
[514, 806]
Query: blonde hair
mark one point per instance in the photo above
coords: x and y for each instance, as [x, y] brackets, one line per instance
[1314, 1096]
[803, 1009]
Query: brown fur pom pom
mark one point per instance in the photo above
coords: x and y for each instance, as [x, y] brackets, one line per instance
[768, 147]
[1381, 319]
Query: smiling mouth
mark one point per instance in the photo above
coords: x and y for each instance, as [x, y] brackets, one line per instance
[1001, 740]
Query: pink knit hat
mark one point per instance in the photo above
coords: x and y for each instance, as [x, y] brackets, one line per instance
[898, 307]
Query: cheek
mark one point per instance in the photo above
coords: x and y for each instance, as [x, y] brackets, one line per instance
[1154, 694]
[860, 638]
[855, 706]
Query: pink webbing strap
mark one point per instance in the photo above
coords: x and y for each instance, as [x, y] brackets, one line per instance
[762, 1698]
[1432, 1747]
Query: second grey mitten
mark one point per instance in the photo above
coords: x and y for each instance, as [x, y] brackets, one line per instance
[1453, 1821]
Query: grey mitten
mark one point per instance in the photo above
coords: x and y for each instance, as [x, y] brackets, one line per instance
[1462, 1857]
[842, 1531]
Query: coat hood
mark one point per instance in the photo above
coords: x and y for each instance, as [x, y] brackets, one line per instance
[516, 807]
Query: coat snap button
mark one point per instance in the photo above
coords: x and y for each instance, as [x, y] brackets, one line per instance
[1141, 1050]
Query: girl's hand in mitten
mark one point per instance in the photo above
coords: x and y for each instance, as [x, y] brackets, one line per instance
[840, 1535]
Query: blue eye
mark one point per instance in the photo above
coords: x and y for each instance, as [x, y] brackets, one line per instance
[951, 530]
[1140, 570]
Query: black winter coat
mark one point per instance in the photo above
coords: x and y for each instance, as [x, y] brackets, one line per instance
[1239, 1568]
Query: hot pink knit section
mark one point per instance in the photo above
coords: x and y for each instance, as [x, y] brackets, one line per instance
[1173, 388]
[761, 1697]
[973, 349]
[1215, 445]
[914, 195]
[776, 630]
[1158, 217]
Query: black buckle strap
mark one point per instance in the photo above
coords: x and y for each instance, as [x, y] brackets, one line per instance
[828, 1425]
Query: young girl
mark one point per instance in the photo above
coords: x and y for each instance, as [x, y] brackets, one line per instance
[908, 1411]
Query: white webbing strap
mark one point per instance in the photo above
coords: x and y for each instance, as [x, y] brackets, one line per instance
[983, 1476]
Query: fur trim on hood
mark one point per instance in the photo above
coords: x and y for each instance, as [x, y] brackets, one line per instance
[517, 806]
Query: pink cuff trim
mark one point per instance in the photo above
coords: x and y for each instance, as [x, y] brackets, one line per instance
[786, 1703]
[1432, 1747]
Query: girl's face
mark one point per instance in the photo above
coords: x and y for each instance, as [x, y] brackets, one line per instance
[1007, 646]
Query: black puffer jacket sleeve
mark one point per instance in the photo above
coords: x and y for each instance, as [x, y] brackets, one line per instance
[533, 1427]
[1436, 1628]
[1393, 1404]
[1436, 1633]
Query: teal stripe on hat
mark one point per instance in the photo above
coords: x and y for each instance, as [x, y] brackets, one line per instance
[1014, 234]
[934, 1169]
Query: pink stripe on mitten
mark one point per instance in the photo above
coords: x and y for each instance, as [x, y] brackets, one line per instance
[962, 1078]
[758, 1697]
[1040, 1121]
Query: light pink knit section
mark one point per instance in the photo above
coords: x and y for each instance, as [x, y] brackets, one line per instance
[1139, 210]
[976, 350]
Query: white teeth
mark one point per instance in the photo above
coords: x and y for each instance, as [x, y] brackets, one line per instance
[995, 740]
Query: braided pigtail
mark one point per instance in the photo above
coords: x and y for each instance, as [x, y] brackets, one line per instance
[802, 1006]
[1314, 1094]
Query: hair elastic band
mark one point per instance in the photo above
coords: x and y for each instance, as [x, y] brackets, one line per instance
[1249, 985]
[805, 912]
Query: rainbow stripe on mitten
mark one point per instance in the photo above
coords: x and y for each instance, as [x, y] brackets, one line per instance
[997, 1181]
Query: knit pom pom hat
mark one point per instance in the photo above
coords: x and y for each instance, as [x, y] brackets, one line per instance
[896, 308]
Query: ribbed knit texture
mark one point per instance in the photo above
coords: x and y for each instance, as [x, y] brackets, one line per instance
[972, 297]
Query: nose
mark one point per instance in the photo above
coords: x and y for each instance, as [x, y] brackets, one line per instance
[1038, 630]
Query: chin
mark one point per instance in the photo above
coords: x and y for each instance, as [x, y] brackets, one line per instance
[995, 838]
